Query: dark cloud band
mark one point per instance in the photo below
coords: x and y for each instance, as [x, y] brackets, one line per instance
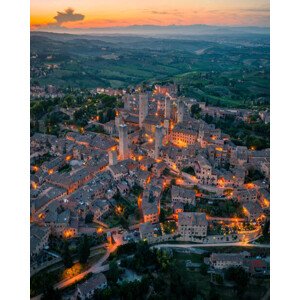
[68, 16]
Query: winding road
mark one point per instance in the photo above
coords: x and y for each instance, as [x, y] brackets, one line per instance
[99, 267]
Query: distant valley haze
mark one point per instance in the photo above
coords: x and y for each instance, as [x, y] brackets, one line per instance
[169, 30]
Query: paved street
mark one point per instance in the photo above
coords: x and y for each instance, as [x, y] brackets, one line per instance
[240, 244]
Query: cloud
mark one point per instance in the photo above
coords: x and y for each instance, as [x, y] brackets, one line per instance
[155, 12]
[68, 16]
[170, 12]
[60, 19]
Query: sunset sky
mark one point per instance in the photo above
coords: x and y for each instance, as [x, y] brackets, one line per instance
[53, 14]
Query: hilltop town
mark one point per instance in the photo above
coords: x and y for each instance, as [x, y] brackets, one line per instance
[144, 165]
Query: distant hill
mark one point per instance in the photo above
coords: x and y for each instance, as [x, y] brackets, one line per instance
[223, 69]
[171, 30]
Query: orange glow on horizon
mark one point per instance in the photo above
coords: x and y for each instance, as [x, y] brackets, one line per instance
[142, 12]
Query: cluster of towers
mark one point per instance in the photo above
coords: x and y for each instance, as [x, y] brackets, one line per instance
[159, 130]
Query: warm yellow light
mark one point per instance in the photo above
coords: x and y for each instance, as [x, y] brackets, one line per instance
[180, 143]
[119, 209]
[143, 168]
[81, 130]
[179, 181]
[50, 171]
[221, 182]
[266, 202]
[35, 168]
[68, 233]
[113, 148]
[68, 157]
[250, 185]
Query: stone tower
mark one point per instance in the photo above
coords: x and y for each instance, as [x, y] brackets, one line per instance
[180, 111]
[158, 140]
[118, 122]
[143, 108]
[112, 157]
[123, 141]
[167, 108]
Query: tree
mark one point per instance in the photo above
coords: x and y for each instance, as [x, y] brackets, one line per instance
[203, 269]
[137, 214]
[104, 294]
[89, 218]
[239, 276]
[254, 174]
[66, 256]
[164, 259]
[84, 250]
[51, 294]
[213, 295]
[114, 271]
[195, 111]
[219, 279]
[110, 114]
[162, 216]
[189, 170]
[124, 223]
